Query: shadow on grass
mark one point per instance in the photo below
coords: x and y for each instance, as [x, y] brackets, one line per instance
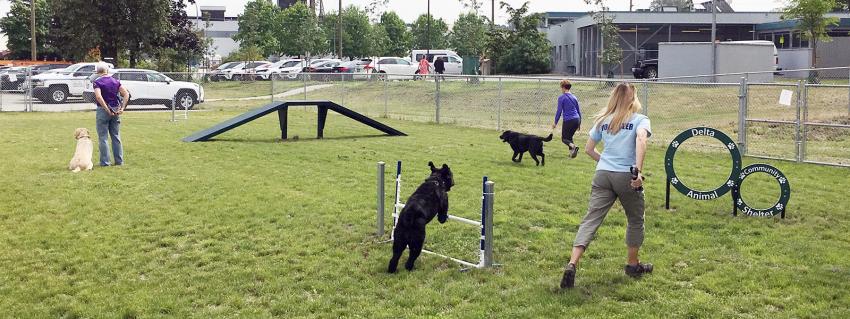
[295, 139]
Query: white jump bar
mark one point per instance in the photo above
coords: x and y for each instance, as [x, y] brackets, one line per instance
[451, 217]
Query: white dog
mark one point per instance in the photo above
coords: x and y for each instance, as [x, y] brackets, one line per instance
[83, 154]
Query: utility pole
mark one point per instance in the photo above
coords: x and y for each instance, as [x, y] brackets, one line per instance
[428, 32]
[339, 30]
[714, 38]
[492, 14]
[631, 7]
[32, 27]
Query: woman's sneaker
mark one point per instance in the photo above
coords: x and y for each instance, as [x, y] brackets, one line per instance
[574, 152]
[638, 270]
[569, 278]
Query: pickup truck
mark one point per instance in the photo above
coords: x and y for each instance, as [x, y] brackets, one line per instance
[57, 87]
[645, 69]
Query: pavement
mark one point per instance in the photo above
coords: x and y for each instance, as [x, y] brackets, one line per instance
[17, 102]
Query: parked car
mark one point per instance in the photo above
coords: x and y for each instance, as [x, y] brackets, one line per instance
[416, 55]
[58, 86]
[246, 71]
[355, 70]
[327, 64]
[148, 87]
[266, 72]
[219, 73]
[395, 67]
[13, 79]
[41, 68]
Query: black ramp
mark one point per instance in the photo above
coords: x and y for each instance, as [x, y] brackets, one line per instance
[232, 123]
[283, 108]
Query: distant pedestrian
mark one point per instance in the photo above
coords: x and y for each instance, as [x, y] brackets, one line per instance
[440, 66]
[624, 133]
[569, 108]
[109, 110]
[424, 67]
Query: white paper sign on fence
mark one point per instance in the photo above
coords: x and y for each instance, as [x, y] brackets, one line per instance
[785, 97]
[13, 78]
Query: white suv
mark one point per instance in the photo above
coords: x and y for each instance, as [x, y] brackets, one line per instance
[57, 87]
[149, 87]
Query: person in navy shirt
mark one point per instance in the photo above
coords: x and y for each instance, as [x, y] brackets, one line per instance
[109, 110]
[569, 108]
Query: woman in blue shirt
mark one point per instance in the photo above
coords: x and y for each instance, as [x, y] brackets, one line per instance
[568, 107]
[624, 133]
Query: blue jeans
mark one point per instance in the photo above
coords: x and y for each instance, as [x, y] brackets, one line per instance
[107, 127]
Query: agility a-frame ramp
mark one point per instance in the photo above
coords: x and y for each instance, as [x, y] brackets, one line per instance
[282, 109]
[485, 225]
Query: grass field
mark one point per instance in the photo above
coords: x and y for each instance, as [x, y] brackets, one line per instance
[247, 226]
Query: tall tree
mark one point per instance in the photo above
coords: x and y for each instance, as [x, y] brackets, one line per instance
[398, 37]
[528, 50]
[811, 20]
[469, 34]
[357, 40]
[472, 5]
[146, 23]
[375, 8]
[259, 27]
[842, 5]
[182, 38]
[683, 5]
[300, 34]
[612, 53]
[16, 26]
[436, 39]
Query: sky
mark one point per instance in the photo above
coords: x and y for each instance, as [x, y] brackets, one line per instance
[448, 10]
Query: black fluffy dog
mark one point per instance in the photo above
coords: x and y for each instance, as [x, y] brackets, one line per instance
[429, 200]
[522, 143]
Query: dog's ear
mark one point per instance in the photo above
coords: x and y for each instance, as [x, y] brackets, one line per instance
[433, 168]
[77, 133]
[445, 167]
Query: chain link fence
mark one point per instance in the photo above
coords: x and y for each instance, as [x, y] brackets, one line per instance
[813, 127]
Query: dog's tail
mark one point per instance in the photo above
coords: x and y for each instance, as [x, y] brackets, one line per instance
[548, 138]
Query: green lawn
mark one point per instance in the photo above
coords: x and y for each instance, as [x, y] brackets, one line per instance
[248, 226]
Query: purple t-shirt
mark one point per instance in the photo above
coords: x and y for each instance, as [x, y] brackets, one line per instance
[568, 107]
[109, 90]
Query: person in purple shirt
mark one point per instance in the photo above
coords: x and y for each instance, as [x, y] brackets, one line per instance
[109, 110]
[569, 109]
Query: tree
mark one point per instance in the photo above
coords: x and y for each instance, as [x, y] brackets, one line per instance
[842, 5]
[146, 24]
[683, 5]
[357, 40]
[259, 27]
[527, 48]
[182, 43]
[810, 18]
[469, 34]
[398, 37]
[612, 53]
[436, 39]
[300, 34]
[473, 5]
[16, 26]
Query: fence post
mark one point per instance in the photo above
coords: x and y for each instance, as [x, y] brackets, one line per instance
[305, 84]
[437, 100]
[173, 108]
[539, 94]
[848, 90]
[271, 82]
[386, 97]
[798, 125]
[646, 97]
[499, 107]
[380, 206]
[742, 117]
[803, 126]
[487, 225]
[29, 107]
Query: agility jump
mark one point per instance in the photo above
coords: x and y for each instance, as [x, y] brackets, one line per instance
[485, 243]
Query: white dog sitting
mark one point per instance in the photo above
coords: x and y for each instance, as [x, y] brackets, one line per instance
[83, 154]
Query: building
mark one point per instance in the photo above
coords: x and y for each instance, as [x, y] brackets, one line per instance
[217, 26]
[576, 41]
